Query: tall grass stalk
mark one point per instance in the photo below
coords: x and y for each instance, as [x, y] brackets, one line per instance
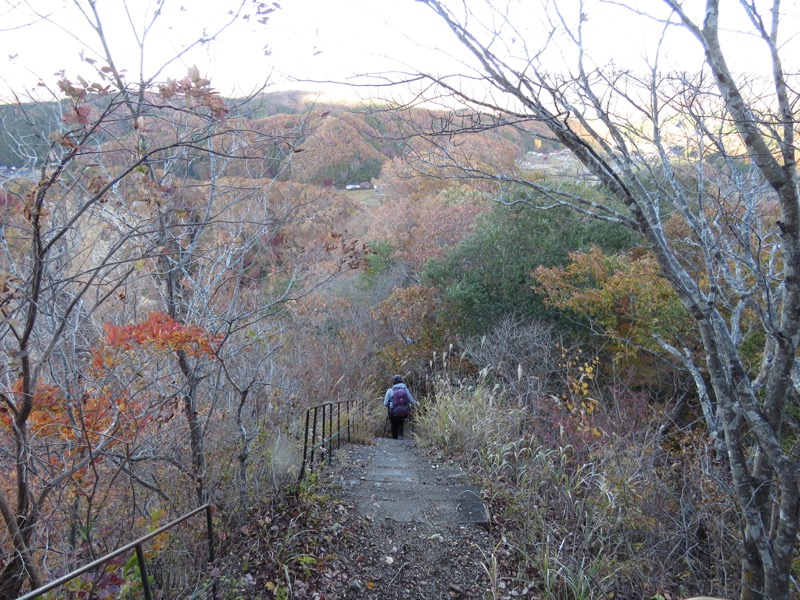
[586, 521]
[462, 419]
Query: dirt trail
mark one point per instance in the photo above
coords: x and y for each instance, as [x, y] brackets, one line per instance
[419, 525]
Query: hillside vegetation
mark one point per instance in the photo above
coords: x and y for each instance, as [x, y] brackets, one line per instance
[181, 279]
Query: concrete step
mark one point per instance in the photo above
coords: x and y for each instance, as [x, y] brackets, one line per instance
[393, 479]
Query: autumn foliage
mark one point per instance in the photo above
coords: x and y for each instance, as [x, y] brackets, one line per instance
[234, 233]
[162, 332]
[625, 294]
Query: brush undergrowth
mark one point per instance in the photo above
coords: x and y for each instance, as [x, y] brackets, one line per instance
[588, 502]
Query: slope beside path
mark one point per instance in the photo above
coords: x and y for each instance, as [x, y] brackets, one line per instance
[421, 525]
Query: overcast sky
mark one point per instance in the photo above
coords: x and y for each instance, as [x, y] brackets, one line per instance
[305, 39]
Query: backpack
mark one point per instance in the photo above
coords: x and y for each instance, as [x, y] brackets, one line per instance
[399, 406]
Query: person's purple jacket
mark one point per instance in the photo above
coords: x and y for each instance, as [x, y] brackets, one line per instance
[387, 399]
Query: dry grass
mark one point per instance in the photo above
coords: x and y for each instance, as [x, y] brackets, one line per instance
[617, 518]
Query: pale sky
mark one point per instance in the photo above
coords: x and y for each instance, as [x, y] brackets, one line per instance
[308, 39]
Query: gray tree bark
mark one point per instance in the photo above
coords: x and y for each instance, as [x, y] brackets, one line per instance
[750, 265]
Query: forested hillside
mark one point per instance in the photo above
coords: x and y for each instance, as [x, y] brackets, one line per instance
[177, 289]
[182, 275]
[596, 321]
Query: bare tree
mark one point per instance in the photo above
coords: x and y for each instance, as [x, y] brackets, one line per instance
[128, 206]
[524, 355]
[709, 156]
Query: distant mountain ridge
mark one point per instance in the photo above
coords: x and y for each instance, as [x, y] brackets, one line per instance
[334, 144]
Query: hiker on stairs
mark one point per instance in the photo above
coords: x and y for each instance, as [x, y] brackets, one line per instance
[398, 400]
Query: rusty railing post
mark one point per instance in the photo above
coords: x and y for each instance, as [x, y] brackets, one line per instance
[313, 439]
[148, 593]
[305, 448]
[330, 428]
[338, 425]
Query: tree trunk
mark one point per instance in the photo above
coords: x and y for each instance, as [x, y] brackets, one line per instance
[749, 408]
[196, 435]
[12, 579]
[22, 567]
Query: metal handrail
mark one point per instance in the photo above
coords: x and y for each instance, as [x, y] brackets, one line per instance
[342, 408]
[135, 545]
[325, 414]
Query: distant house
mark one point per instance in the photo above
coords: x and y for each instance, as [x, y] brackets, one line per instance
[7, 172]
[364, 185]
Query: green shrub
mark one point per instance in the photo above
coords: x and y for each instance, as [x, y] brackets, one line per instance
[378, 262]
[490, 274]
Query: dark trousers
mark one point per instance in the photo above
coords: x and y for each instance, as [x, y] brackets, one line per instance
[397, 426]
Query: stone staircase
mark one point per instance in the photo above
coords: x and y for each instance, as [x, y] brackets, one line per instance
[395, 480]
